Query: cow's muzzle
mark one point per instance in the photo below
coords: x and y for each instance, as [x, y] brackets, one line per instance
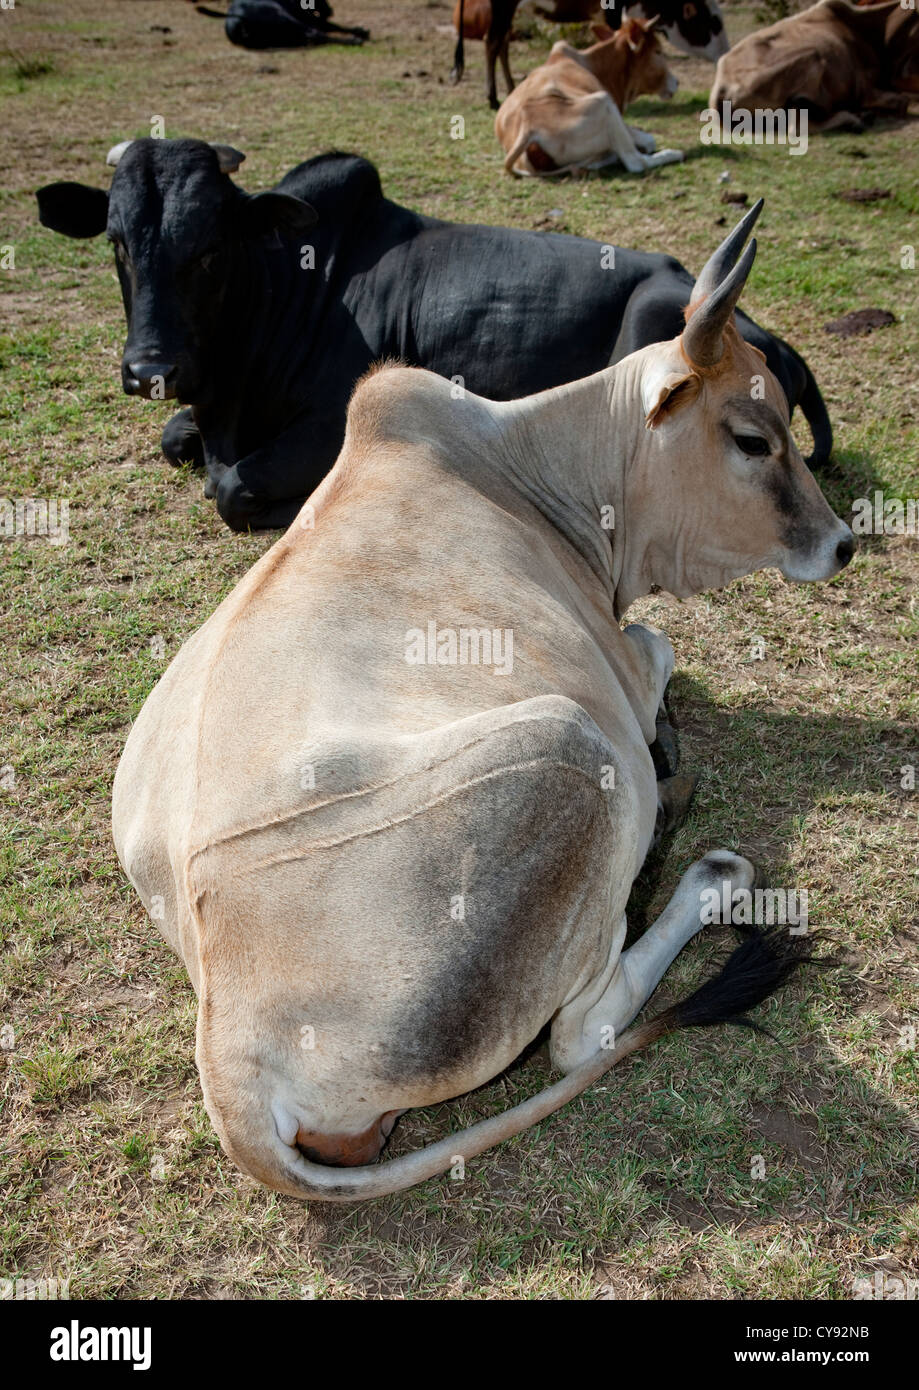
[156, 381]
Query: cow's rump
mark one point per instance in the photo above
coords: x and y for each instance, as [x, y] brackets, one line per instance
[432, 921]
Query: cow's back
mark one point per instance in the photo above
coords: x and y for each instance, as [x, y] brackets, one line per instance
[508, 312]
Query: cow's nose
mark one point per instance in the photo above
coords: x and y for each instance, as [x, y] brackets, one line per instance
[156, 380]
[845, 550]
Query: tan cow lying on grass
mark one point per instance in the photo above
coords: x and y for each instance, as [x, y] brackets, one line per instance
[836, 61]
[389, 802]
[567, 114]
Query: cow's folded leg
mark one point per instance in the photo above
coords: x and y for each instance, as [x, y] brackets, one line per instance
[595, 1018]
[674, 797]
[645, 142]
[244, 510]
[181, 441]
[665, 750]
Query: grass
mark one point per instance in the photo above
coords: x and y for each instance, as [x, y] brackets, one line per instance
[109, 1170]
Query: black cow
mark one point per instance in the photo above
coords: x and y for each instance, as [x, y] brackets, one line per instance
[695, 26]
[283, 24]
[262, 322]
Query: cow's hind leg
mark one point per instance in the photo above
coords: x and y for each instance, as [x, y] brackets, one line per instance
[596, 1017]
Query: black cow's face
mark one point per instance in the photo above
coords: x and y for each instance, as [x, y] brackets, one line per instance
[177, 224]
[694, 26]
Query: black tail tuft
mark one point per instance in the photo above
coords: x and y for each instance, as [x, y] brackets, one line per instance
[760, 965]
[459, 62]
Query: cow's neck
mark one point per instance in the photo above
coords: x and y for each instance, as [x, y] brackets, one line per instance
[612, 72]
[575, 453]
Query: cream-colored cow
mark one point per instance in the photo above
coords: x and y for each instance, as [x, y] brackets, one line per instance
[388, 803]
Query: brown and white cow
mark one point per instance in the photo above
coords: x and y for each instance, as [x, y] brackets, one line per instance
[694, 26]
[567, 114]
[415, 850]
[835, 60]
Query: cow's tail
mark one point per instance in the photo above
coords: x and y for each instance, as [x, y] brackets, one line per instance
[815, 413]
[758, 966]
[459, 53]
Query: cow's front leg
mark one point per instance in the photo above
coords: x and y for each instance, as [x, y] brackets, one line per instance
[268, 487]
[644, 141]
[589, 1024]
[621, 143]
[653, 656]
[181, 440]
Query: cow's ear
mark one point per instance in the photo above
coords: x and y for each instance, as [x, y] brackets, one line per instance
[602, 32]
[73, 209]
[268, 212]
[664, 390]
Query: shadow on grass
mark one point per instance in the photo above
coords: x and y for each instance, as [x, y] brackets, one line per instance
[866, 1141]
[836, 752]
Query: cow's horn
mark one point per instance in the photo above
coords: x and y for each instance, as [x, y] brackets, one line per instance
[718, 265]
[117, 151]
[703, 340]
[228, 158]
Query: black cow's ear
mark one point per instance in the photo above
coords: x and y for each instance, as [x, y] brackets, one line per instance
[73, 209]
[268, 212]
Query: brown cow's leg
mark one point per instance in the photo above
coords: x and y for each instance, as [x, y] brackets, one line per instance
[505, 63]
[491, 85]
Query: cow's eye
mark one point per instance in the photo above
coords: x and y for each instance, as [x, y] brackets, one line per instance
[208, 261]
[753, 444]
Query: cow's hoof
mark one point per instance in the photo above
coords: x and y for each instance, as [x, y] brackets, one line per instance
[674, 798]
[665, 750]
[181, 441]
[235, 502]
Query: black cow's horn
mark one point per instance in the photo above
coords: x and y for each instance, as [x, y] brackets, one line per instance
[718, 265]
[228, 158]
[703, 335]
